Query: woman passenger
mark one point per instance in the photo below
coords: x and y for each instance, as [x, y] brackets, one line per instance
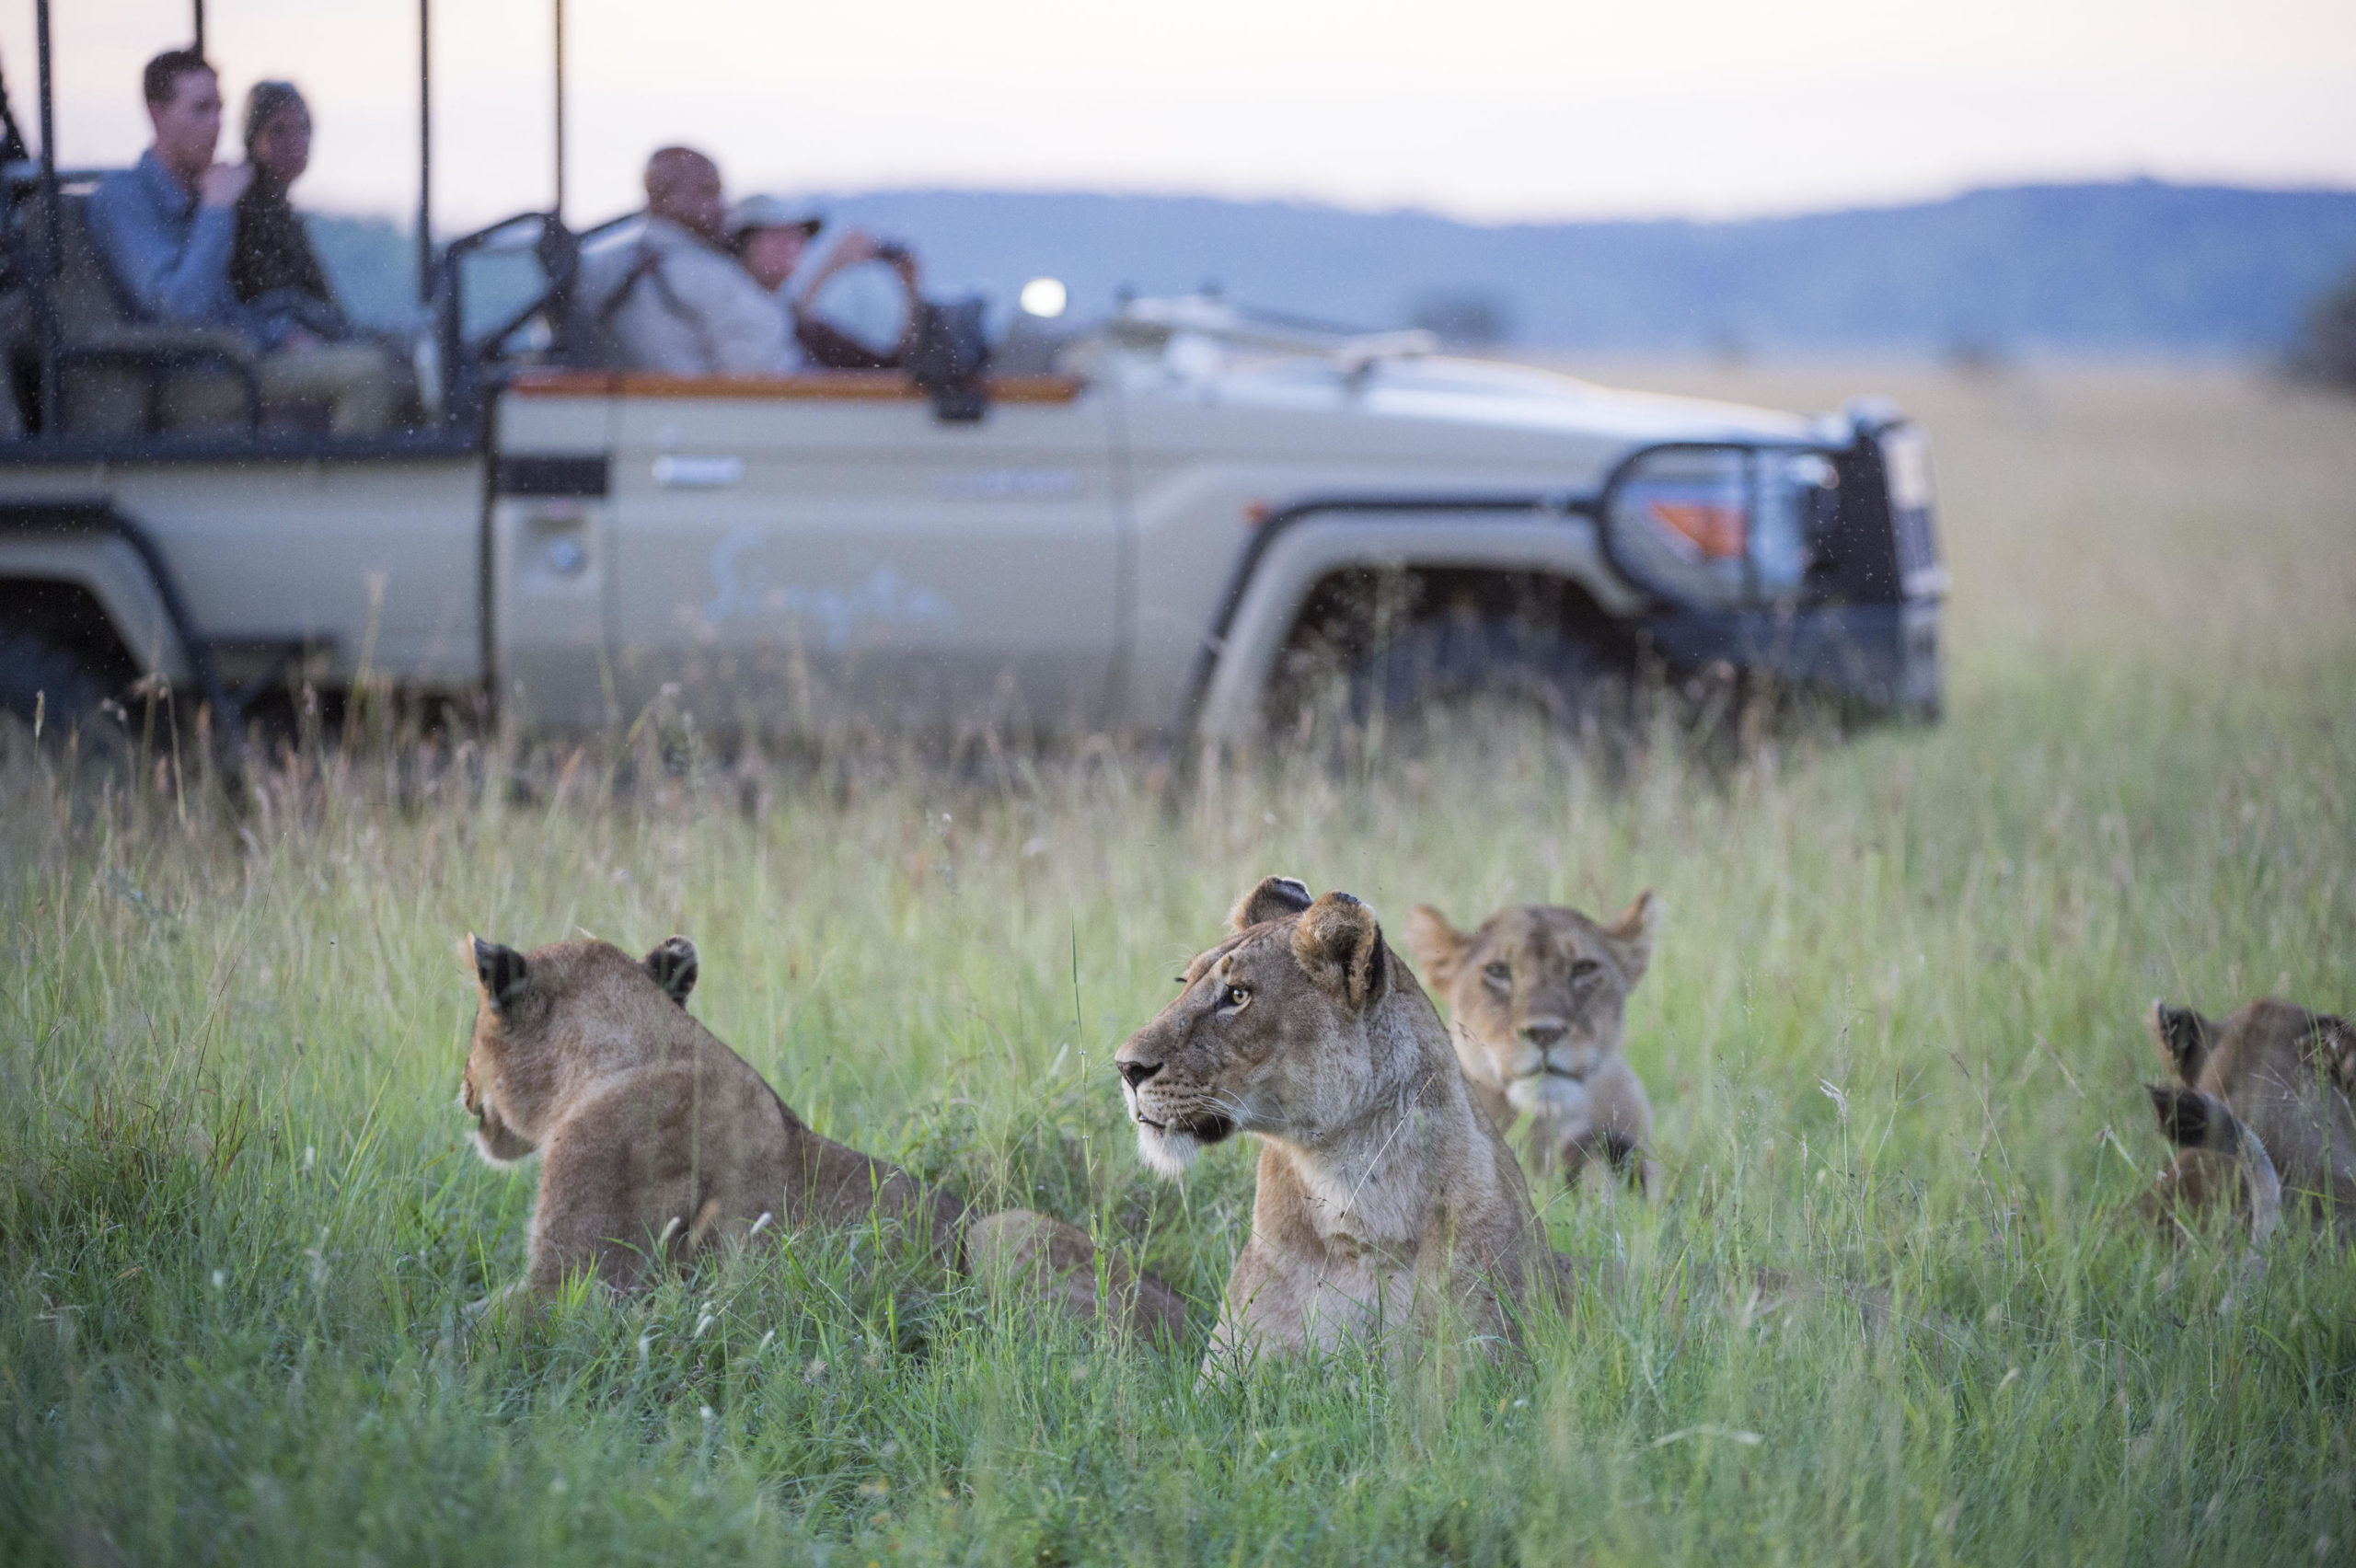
[273, 267]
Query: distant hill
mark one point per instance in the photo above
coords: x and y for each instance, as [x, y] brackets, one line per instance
[2135, 268]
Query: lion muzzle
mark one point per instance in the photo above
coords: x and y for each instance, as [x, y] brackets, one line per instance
[1170, 1131]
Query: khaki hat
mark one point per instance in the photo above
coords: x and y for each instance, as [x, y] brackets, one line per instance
[771, 211]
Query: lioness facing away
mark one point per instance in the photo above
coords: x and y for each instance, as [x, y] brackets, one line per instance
[657, 1140]
[2259, 1105]
[1537, 1000]
[1383, 1195]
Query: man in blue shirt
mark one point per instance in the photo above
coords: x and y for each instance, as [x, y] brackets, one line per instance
[166, 229]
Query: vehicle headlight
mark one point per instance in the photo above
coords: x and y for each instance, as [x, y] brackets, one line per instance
[1718, 525]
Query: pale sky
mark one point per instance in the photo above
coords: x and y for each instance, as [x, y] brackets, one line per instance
[1489, 110]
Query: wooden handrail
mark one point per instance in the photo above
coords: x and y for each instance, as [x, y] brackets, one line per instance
[830, 386]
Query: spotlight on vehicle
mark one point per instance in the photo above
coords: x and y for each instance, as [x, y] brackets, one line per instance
[1044, 297]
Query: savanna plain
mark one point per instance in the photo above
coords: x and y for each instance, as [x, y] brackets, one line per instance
[1891, 1033]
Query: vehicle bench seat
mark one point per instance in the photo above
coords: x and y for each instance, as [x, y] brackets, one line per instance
[120, 375]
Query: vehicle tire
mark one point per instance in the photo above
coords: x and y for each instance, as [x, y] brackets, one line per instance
[47, 686]
[1471, 663]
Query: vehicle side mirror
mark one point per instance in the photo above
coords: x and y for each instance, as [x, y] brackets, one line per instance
[947, 355]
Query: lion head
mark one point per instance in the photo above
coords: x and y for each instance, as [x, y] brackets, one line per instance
[2260, 1104]
[1252, 1040]
[1538, 995]
[545, 1016]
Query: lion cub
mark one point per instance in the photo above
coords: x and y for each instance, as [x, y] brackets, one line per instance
[2260, 1110]
[1383, 1195]
[657, 1140]
[1538, 1000]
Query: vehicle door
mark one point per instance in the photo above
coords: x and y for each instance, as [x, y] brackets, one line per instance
[811, 551]
[551, 557]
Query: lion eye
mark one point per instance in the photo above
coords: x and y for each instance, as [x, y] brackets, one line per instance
[1585, 969]
[1499, 972]
[1237, 995]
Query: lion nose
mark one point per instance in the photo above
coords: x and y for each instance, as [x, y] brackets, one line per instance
[1545, 1034]
[1136, 1073]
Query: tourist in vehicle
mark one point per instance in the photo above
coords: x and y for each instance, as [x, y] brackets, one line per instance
[168, 230]
[769, 236]
[272, 269]
[677, 300]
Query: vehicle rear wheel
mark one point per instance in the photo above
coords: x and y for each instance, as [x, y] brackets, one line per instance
[54, 701]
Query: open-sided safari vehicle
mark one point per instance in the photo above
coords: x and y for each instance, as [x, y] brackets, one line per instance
[1131, 540]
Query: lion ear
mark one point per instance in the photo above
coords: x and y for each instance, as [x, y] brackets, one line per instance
[1339, 945]
[500, 971]
[2183, 1037]
[2339, 1053]
[673, 965]
[1631, 936]
[1272, 899]
[1439, 947]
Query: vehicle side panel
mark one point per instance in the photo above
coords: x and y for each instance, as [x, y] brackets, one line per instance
[352, 561]
[805, 562]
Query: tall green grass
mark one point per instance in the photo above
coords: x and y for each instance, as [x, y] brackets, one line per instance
[1891, 1036]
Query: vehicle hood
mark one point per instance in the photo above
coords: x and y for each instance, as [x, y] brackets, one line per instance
[1462, 391]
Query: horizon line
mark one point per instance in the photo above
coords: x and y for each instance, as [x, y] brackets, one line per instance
[1410, 210]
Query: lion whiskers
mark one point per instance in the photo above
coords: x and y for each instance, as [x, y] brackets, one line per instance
[1232, 1108]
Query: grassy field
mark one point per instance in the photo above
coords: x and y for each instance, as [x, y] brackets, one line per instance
[1892, 1036]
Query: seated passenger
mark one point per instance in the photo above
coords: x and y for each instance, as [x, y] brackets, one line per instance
[272, 269]
[769, 237]
[676, 300]
[168, 230]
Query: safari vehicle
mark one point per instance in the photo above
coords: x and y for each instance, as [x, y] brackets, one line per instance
[1139, 535]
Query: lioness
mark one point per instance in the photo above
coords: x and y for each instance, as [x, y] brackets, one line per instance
[657, 1140]
[1383, 1195]
[2283, 1077]
[1537, 1002]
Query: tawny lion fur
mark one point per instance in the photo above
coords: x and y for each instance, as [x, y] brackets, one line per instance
[1385, 1198]
[658, 1142]
[1537, 1002]
[2285, 1076]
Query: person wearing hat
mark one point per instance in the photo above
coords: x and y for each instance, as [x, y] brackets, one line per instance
[678, 300]
[769, 235]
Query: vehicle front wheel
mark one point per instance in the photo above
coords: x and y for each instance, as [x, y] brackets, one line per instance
[1470, 663]
[1440, 672]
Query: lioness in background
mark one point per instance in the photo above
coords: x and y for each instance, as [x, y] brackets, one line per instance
[2284, 1077]
[657, 1140]
[1384, 1196]
[1537, 1000]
